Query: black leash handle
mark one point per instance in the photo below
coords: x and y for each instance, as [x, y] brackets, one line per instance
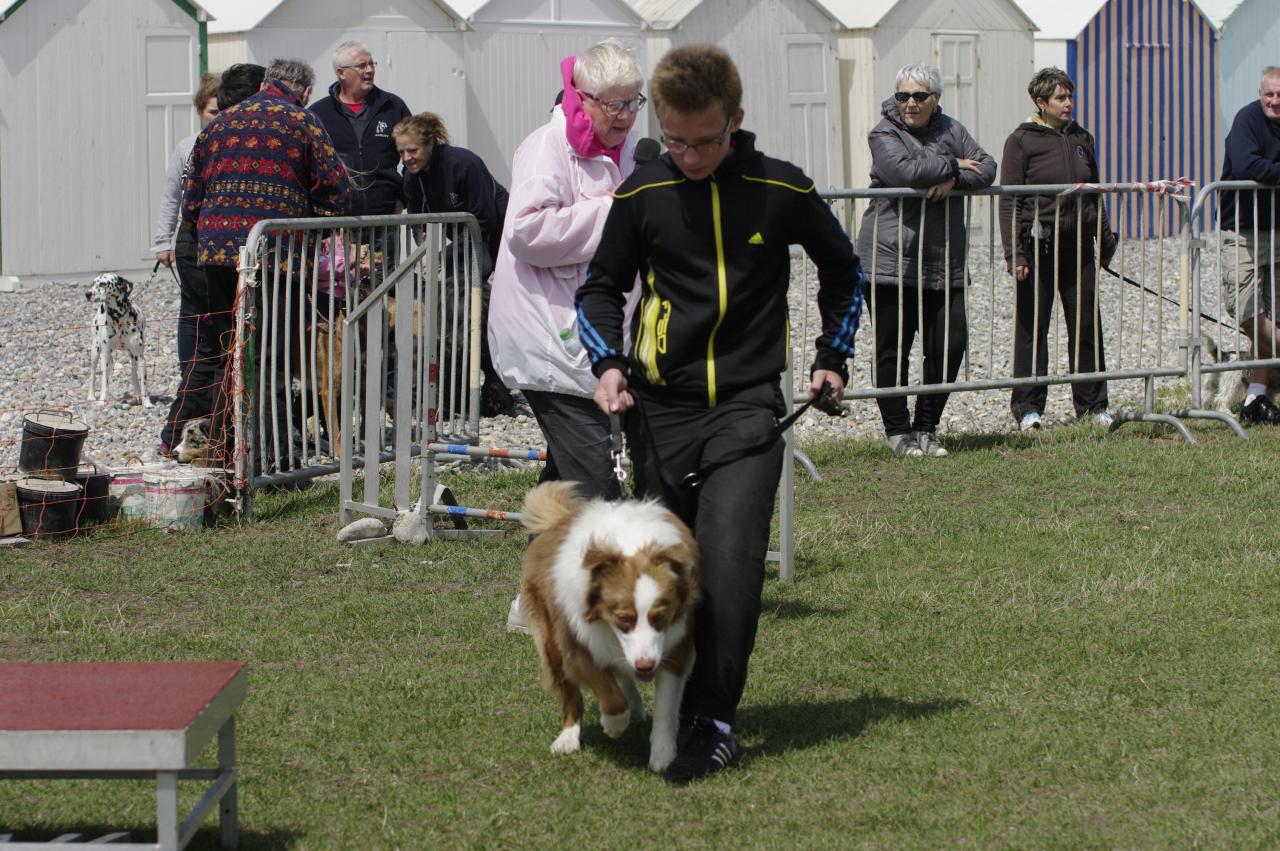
[617, 451]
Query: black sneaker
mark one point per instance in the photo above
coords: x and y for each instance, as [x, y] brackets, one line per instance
[706, 751]
[1261, 411]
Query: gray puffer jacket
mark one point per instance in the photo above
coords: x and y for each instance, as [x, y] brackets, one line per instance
[919, 159]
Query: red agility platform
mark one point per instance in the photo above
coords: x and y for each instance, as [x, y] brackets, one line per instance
[126, 720]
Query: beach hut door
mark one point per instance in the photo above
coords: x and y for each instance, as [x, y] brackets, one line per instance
[956, 55]
[811, 123]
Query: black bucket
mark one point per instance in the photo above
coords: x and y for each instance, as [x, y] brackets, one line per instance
[93, 496]
[49, 508]
[51, 444]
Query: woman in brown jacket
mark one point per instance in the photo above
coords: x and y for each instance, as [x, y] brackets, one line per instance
[1050, 239]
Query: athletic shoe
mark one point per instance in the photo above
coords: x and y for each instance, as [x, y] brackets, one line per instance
[1031, 422]
[706, 751]
[515, 620]
[904, 444]
[1260, 411]
[1103, 419]
[930, 445]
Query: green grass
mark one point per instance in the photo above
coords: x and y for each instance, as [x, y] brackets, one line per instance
[1058, 640]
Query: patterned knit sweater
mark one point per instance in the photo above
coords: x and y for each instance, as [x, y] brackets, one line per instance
[267, 157]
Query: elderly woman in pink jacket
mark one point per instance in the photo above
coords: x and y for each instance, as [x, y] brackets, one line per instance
[562, 179]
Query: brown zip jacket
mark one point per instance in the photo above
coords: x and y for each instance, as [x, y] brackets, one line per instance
[1033, 155]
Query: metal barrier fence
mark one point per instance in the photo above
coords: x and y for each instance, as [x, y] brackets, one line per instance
[1144, 317]
[381, 308]
[399, 368]
[1228, 256]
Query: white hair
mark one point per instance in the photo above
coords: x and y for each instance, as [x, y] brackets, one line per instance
[607, 65]
[344, 53]
[923, 73]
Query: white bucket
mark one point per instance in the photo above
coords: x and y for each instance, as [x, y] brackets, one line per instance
[126, 493]
[175, 498]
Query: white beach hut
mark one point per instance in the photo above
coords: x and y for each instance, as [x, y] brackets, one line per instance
[93, 96]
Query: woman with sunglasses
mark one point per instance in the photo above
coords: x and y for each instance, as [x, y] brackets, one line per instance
[562, 180]
[914, 250]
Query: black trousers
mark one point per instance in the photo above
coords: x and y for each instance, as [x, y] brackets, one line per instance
[1033, 305]
[729, 515]
[938, 345]
[204, 382]
[577, 435]
[194, 304]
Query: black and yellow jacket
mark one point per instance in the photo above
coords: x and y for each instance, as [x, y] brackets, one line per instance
[713, 257]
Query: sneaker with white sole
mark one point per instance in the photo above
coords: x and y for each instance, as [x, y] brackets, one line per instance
[905, 444]
[515, 620]
[929, 444]
[1031, 421]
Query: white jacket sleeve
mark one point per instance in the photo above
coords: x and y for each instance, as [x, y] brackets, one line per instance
[554, 220]
[171, 197]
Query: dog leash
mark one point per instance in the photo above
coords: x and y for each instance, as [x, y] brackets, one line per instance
[825, 400]
[156, 268]
[1156, 293]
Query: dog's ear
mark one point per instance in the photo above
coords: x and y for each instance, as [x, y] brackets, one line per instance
[599, 563]
[126, 285]
[682, 560]
[88, 294]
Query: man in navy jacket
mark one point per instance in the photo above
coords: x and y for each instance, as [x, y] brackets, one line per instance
[1249, 238]
[358, 117]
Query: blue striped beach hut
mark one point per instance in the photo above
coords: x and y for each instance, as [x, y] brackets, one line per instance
[1146, 75]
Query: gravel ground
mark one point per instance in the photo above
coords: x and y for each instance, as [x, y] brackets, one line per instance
[44, 357]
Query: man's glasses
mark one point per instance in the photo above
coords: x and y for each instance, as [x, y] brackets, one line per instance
[362, 66]
[918, 97]
[613, 108]
[676, 147]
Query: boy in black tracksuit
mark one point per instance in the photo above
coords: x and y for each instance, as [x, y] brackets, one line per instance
[708, 227]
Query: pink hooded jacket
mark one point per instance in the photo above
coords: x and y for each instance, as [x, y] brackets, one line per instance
[559, 201]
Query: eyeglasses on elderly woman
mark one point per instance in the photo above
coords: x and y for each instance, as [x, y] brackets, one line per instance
[918, 97]
[614, 107]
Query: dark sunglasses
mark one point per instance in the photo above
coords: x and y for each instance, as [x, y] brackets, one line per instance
[918, 97]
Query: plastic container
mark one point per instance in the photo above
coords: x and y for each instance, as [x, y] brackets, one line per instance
[51, 444]
[94, 485]
[49, 508]
[175, 497]
[126, 494]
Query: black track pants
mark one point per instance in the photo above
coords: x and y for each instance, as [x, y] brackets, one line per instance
[729, 515]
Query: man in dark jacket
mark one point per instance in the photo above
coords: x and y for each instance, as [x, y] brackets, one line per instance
[708, 228]
[359, 117]
[1253, 153]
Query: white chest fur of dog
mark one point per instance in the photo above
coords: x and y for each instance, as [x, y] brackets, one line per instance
[608, 592]
[117, 325]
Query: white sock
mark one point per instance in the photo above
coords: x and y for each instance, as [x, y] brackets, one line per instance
[1255, 389]
[723, 728]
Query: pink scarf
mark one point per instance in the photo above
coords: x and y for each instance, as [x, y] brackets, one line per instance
[578, 128]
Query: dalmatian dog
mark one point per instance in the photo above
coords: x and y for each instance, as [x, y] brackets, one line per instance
[117, 325]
